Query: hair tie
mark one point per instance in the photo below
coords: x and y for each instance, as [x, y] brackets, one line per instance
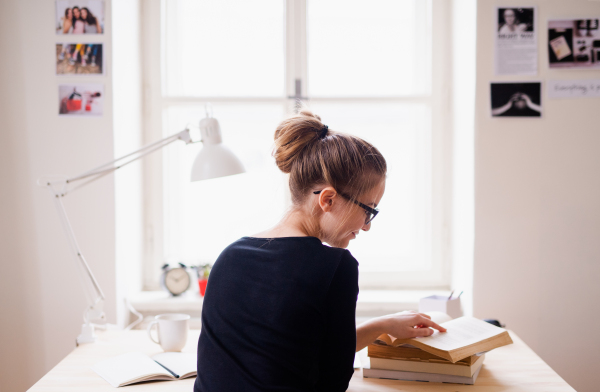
[323, 131]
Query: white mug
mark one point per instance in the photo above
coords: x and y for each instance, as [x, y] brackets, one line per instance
[172, 331]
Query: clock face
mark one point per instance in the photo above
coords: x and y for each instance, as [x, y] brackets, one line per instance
[177, 280]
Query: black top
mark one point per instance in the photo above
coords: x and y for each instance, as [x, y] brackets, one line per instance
[279, 315]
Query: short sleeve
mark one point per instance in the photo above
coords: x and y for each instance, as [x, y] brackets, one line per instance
[337, 354]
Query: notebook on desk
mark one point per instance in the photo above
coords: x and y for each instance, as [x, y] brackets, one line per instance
[136, 367]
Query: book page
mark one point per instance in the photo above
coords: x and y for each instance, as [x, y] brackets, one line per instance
[179, 363]
[461, 332]
[128, 367]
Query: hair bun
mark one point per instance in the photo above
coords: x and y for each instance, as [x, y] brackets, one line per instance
[347, 163]
[293, 135]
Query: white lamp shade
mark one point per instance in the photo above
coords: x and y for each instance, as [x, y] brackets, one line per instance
[215, 160]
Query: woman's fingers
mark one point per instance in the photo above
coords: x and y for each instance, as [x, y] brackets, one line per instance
[425, 315]
[421, 332]
[423, 328]
[431, 324]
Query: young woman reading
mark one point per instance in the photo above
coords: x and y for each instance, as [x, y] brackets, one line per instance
[279, 310]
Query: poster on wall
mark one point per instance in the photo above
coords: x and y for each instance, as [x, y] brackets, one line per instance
[522, 99]
[80, 99]
[79, 17]
[79, 59]
[573, 43]
[516, 51]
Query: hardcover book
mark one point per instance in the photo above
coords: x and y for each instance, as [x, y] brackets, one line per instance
[465, 337]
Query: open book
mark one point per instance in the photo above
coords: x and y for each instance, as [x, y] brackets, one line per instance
[465, 336]
[136, 367]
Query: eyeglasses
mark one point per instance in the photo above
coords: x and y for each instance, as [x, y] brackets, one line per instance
[371, 212]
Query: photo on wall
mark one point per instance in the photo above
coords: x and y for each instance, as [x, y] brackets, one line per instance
[574, 43]
[522, 99]
[515, 36]
[515, 20]
[79, 59]
[79, 17]
[80, 99]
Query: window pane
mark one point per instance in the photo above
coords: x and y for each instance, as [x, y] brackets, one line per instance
[400, 238]
[202, 218]
[224, 47]
[367, 49]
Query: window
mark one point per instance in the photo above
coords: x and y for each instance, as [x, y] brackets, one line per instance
[373, 70]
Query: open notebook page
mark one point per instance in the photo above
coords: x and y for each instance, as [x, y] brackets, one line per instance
[182, 364]
[461, 332]
[128, 368]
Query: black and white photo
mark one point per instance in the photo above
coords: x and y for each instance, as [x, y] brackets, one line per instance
[574, 43]
[515, 20]
[522, 99]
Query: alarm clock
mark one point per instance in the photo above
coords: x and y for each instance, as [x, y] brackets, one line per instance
[175, 280]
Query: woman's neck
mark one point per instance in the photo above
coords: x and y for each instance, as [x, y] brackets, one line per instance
[296, 223]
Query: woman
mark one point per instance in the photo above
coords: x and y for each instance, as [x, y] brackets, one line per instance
[92, 26]
[78, 24]
[67, 21]
[511, 23]
[279, 310]
[518, 105]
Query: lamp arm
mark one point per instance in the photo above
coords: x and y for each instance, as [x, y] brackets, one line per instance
[58, 187]
[142, 152]
[75, 246]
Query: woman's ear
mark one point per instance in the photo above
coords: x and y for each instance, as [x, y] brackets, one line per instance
[326, 198]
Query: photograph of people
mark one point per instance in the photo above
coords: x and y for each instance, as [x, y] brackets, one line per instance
[79, 16]
[516, 99]
[79, 59]
[279, 309]
[515, 20]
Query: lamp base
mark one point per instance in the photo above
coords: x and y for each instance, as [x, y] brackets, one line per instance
[87, 334]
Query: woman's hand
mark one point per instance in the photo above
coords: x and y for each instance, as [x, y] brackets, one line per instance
[526, 98]
[405, 325]
[401, 325]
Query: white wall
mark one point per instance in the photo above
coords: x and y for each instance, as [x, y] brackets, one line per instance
[537, 217]
[41, 300]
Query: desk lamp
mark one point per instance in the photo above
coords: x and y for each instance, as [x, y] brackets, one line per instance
[214, 160]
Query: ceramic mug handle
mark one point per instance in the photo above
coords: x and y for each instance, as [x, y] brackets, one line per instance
[150, 332]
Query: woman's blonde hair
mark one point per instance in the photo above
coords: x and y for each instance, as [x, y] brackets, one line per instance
[314, 155]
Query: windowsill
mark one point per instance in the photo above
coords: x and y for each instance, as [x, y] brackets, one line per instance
[371, 303]
[161, 301]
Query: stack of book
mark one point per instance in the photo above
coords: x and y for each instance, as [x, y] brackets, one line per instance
[455, 356]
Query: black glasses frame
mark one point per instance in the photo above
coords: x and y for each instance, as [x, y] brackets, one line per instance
[372, 211]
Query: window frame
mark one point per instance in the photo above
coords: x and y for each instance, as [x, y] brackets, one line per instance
[296, 64]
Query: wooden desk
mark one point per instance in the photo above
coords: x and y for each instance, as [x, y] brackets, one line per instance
[511, 368]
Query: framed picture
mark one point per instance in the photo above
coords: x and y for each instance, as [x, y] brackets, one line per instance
[522, 99]
[80, 99]
[79, 59]
[80, 16]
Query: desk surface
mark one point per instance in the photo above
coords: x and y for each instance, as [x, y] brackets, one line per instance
[510, 368]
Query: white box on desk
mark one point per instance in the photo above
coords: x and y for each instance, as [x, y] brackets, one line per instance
[439, 303]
